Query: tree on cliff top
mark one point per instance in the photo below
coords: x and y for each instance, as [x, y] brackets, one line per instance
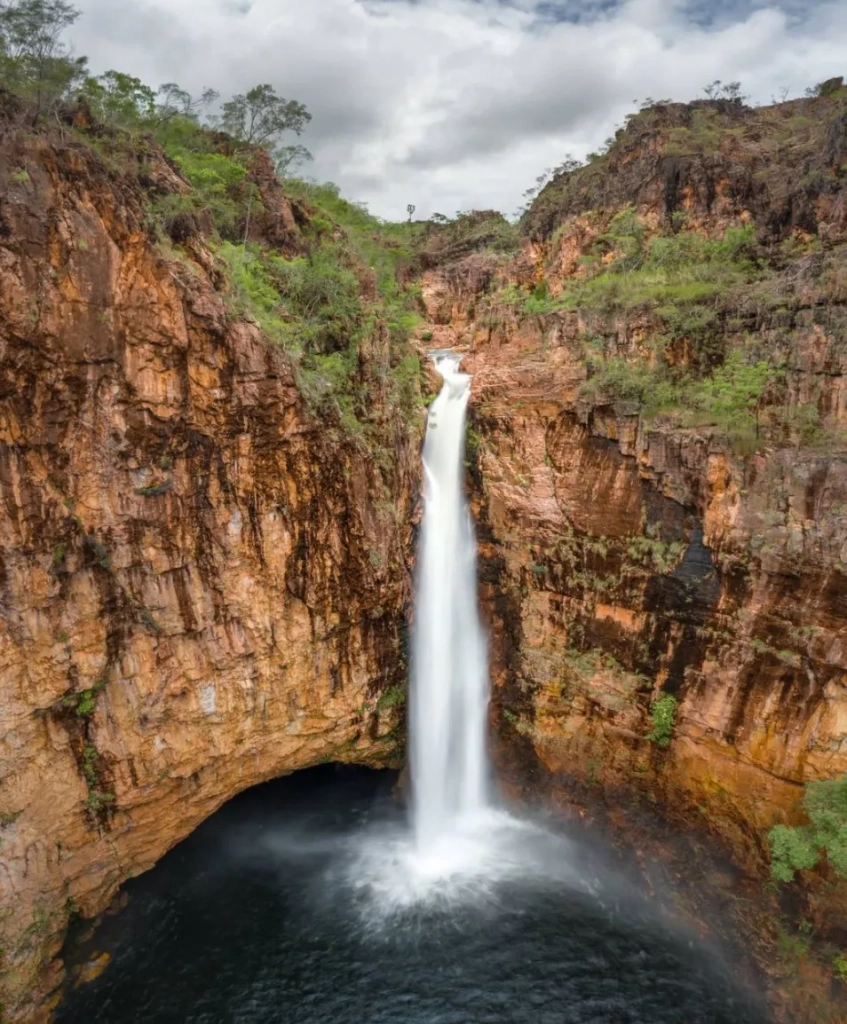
[34, 62]
[120, 99]
[259, 116]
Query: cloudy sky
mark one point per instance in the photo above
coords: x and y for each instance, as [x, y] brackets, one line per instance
[456, 104]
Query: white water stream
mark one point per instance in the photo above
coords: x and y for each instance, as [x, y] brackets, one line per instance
[449, 686]
[461, 843]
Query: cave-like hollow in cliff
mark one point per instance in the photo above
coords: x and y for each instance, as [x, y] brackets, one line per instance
[296, 898]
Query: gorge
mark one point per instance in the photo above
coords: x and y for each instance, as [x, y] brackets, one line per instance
[456, 915]
[210, 503]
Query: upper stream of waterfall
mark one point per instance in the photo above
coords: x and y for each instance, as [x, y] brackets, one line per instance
[449, 687]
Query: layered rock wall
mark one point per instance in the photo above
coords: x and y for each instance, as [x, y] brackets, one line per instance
[203, 585]
[627, 556]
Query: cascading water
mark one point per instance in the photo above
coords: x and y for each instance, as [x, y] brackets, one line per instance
[449, 688]
[461, 843]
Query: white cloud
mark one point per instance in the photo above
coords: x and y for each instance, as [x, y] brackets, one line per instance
[453, 104]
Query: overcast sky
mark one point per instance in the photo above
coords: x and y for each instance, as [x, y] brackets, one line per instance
[460, 104]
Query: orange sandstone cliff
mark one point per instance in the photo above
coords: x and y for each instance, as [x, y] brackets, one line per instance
[203, 583]
[645, 533]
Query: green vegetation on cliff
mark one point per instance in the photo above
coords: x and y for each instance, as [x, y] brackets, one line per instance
[321, 276]
[663, 715]
[694, 366]
[693, 255]
[801, 847]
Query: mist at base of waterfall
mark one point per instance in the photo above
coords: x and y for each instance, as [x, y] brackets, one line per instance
[308, 900]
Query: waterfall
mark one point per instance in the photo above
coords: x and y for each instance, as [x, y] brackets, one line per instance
[449, 686]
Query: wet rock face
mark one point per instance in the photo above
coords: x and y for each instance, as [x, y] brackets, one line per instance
[620, 562]
[202, 586]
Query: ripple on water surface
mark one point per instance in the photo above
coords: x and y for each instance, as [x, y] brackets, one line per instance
[305, 902]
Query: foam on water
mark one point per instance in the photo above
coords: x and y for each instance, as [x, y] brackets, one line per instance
[469, 862]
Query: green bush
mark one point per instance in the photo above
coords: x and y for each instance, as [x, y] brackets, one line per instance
[383, 246]
[254, 292]
[330, 380]
[324, 294]
[86, 704]
[703, 136]
[210, 173]
[406, 383]
[89, 764]
[97, 800]
[662, 714]
[309, 303]
[618, 379]
[393, 697]
[625, 236]
[731, 397]
[219, 190]
[799, 848]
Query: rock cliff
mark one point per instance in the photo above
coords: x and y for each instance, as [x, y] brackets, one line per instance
[203, 582]
[666, 574]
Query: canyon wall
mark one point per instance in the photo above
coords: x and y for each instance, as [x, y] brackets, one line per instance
[620, 562]
[628, 556]
[203, 583]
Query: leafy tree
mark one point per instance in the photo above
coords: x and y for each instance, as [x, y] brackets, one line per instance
[33, 59]
[259, 116]
[217, 190]
[724, 90]
[732, 91]
[120, 99]
[286, 158]
[176, 102]
[798, 849]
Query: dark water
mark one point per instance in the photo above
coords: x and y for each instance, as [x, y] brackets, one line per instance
[262, 916]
